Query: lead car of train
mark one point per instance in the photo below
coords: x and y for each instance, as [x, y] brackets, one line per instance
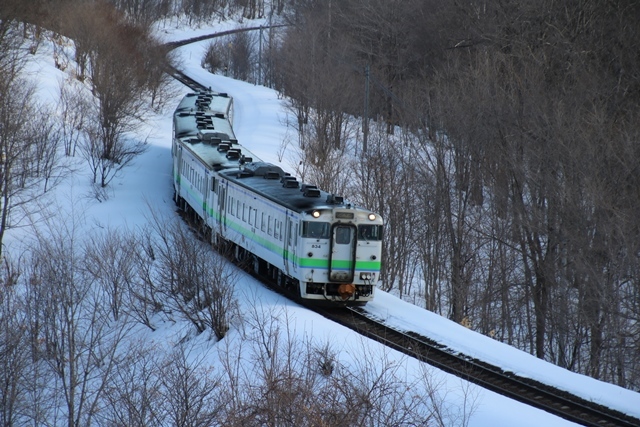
[308, 241]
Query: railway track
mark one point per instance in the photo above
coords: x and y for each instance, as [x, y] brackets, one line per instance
[188, 81]
[525, 390]
[184, 79]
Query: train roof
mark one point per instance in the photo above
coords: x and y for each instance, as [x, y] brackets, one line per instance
[202, 125]
[187, 124]
[273, 183]
[218, 155]
[212, 102]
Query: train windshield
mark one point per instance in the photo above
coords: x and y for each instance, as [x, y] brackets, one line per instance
[315, 230]
[370, 232]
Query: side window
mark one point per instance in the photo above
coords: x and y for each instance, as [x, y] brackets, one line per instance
[263, 225]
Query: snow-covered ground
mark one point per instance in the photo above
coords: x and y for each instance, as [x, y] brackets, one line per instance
[259, 124]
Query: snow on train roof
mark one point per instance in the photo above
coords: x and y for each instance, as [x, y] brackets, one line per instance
[218, 155]
[273, 183]
[215, 103]
[190, 123]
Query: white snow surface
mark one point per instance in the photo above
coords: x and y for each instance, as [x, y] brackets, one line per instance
[259, 125]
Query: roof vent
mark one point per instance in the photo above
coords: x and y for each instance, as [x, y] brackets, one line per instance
[233, 153]
[210, 137]
[311, 192]
[307, 186]
[332, 199]
[244, 159]
[290, 183]
[224, 147]
[271, 175]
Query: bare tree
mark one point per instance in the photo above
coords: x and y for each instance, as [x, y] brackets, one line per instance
[278, 379]
[118, 110]
[134, 396]
[78, 339]
[24, 166]
[111, 263]
[193, 280]
[14, 347]
[125, 67]
[73, 110]
[189, 389]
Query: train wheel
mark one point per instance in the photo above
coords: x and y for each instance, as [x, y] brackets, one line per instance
[258, 268]
[237, 253]
[179, 202]
[281, 280]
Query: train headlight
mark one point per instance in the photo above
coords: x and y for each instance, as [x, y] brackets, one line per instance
[372, 217]
[315, 214]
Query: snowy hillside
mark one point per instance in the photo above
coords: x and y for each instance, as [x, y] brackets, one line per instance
[259, 124]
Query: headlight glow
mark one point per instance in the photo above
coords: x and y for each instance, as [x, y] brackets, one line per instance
[315, 214]
[372, 217]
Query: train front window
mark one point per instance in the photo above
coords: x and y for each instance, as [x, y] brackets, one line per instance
[343, 235]
[315, 230]
[370, 232]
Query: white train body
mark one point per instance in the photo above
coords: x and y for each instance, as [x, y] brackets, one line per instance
[308, 241]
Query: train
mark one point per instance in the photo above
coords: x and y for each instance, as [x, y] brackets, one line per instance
[316, 245]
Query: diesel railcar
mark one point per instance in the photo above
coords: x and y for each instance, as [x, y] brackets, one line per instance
[310, 242]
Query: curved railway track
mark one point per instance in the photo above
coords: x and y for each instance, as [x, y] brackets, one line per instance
[525, 390]
[530, 392]
[181, 76]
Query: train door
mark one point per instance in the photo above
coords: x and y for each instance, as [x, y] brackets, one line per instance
[285, 247]
[222, 201]
[177, 161]
[342, 263]
[291, 245]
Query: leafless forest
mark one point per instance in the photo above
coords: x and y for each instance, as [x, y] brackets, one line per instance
[500, 140]
[501, 145]
[502, 150]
